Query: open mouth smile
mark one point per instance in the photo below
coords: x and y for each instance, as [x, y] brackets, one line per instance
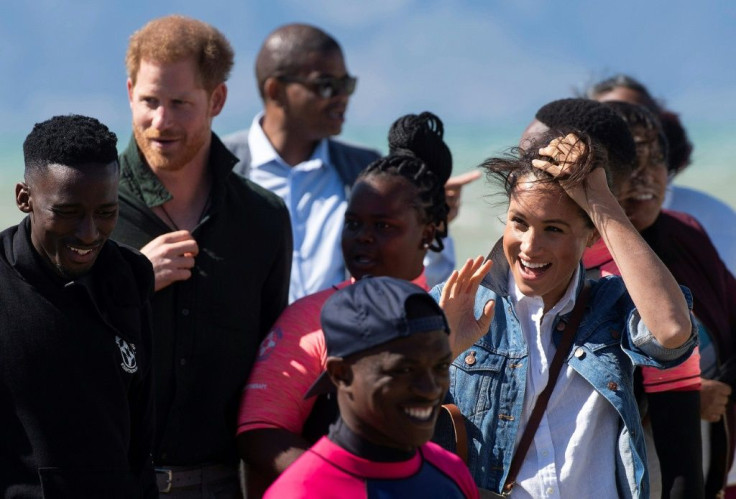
[420, 414]
[644, 196]
[81, 251]
[534, 268]
[363, 260]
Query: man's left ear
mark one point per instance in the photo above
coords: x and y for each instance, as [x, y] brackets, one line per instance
[217, 99]
[23, 197]
[340, 372]
[593, 238]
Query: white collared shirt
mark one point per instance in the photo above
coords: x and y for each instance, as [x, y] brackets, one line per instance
[574, 448]
[316, 200]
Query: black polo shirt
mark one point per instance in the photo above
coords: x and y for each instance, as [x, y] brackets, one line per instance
[76, 405]
[209, 327]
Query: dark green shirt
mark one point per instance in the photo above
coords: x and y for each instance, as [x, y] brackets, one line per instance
[207, 329]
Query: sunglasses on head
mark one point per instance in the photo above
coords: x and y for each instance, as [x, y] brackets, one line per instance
[325, 86]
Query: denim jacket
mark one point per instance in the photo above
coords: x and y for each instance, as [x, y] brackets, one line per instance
[488, 380]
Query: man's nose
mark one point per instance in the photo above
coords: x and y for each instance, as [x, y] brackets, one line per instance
[161, 117]
[427, 384]
[87, 231]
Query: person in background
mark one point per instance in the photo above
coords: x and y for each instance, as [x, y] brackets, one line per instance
[685, 248]
[388, 355]
[290, 150]
[396, 214]
[716, 217]
[76, 387]
[220, 246]
[589, 441]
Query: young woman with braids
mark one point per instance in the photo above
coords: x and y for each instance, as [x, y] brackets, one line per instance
[589, 441]
[396, 213]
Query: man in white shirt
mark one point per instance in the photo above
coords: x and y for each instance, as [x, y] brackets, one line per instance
[289, 149]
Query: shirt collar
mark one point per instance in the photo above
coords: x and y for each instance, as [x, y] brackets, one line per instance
[564, 305]
[262, 151]
[152, 190]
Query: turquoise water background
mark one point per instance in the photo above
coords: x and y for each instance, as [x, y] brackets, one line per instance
[480, 221]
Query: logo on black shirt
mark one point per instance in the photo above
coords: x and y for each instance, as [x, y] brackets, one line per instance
[129, 364]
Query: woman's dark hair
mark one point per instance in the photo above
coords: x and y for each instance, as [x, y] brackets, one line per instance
[418, 154]
[507, 170]
[625, 81]
[680, 147]
[640, 118]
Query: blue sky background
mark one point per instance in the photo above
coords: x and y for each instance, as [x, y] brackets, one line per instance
[481, 63]
[484, 66]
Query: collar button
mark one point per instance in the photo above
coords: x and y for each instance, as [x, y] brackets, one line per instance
[470, 358]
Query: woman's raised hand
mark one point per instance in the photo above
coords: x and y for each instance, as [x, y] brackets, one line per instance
[565, 153]
[458, 303]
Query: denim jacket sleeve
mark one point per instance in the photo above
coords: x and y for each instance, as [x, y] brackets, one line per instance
[644, 349]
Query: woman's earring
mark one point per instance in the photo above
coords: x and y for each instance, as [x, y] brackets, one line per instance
[425, 245]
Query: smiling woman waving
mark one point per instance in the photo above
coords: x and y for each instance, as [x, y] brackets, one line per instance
[587, 441]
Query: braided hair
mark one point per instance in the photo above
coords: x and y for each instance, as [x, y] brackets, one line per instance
[418, 154]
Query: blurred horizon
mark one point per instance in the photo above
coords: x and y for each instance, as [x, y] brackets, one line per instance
[484, 67]
[472, 62]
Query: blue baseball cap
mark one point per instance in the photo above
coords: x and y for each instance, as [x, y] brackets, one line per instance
[371, 312]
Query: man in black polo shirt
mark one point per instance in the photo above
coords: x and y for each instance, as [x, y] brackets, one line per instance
[76, 407]
[220, 247]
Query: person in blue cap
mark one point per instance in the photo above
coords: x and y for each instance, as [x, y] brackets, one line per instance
[388, 358]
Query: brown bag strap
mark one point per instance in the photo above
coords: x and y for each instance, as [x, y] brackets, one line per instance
[554, 370]
[458, 426]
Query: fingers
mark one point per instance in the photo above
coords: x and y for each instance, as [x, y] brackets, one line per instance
[484, 321]
[172, 256]
[170, 245]
[714, 398]
[551, 168]
[564, 152]
[458, 181]
[453, 191]
[471, 274]
[187, 247]
[172, 237]
[466, 280]
[183, 262]
[448, 288]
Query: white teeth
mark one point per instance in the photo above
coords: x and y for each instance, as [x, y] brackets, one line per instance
[643, 197]
[419, 413]
[534, 265]
[80, 251]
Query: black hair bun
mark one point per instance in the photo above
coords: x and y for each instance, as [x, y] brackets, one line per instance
[595, 119]
[421, 136]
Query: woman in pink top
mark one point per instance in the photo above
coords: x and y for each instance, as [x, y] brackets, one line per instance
[396, 213]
